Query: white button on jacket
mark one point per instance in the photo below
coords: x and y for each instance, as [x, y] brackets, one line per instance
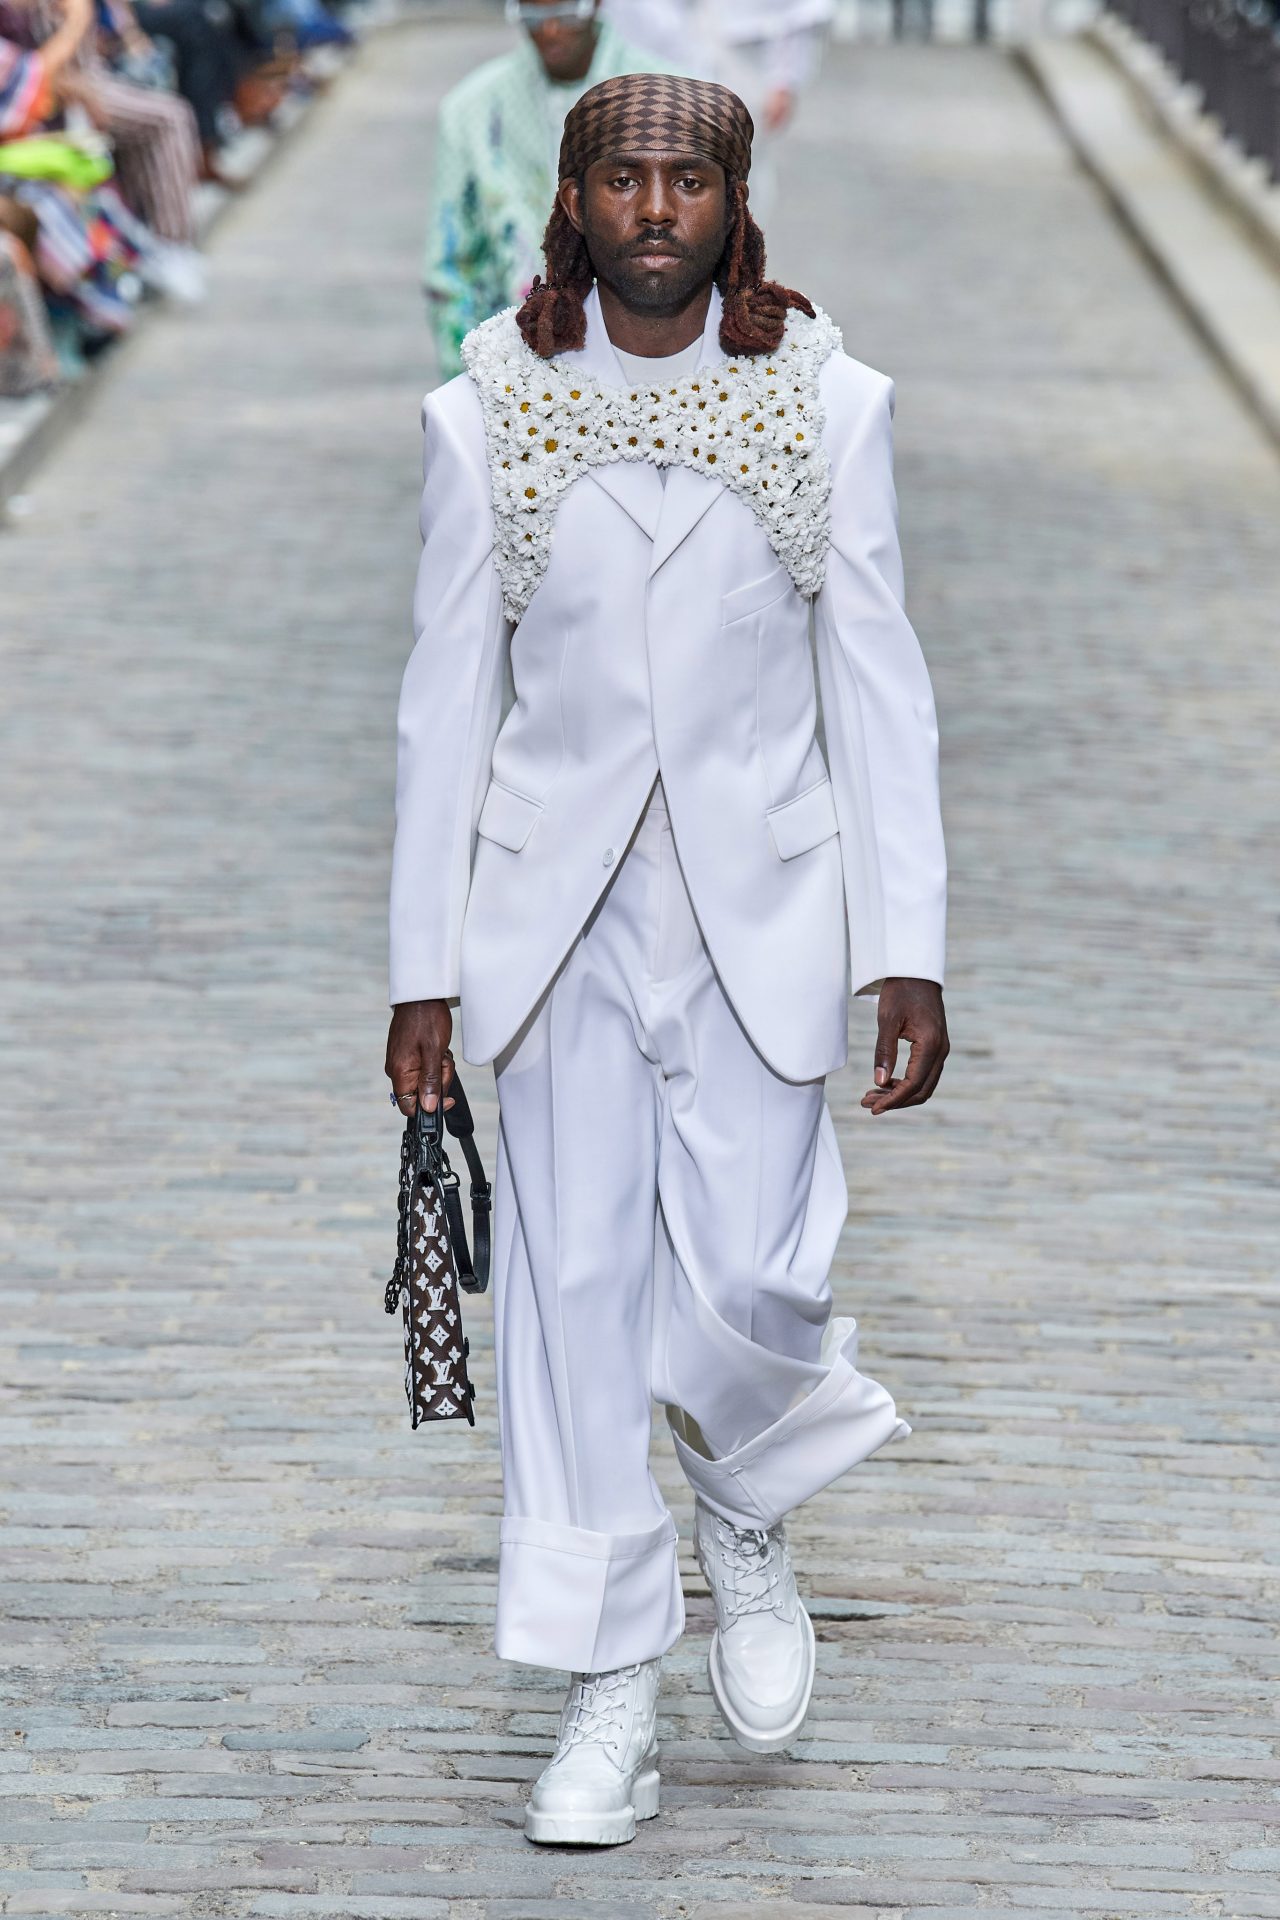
[665, 631]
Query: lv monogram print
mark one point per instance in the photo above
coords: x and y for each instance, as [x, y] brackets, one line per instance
[425, 1286]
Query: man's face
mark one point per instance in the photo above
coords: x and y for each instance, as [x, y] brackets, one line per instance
[655, 225]
[563, 33]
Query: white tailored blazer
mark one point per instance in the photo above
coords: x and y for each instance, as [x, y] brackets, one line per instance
[666, 636]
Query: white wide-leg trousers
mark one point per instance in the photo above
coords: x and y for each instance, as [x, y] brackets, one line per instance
[667, 1210]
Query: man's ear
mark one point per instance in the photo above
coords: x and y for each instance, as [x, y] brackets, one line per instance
[569, 195]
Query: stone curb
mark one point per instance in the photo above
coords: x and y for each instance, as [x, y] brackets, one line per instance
[1225, 280]
[1242, 184]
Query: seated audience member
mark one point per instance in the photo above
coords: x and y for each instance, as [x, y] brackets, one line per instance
[238, 54]
[87, 244]
[206, 52]
[152, 134]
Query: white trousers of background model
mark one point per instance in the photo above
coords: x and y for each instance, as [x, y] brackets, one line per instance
[667, 1210]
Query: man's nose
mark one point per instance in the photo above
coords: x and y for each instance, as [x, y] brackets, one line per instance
[656, 205]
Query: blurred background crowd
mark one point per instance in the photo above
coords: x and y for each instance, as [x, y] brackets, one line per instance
[111, 114]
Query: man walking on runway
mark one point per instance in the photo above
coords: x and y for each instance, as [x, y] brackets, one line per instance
[651, 892]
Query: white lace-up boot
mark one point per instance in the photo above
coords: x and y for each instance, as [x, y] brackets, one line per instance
[762, 1652]
[604, 1773]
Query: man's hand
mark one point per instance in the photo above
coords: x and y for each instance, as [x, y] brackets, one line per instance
[419, 1063]
[909, 1010]
[779, 105]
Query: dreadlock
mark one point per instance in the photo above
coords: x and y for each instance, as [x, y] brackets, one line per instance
[755, 309]
[553, 319]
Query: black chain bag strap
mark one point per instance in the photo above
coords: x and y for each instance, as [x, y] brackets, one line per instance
[433, 1260]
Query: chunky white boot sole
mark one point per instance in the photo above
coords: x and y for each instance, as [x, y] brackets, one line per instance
[746, 1735]
[597, 1829]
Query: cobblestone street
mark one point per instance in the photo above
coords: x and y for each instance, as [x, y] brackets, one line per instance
[247, 1667]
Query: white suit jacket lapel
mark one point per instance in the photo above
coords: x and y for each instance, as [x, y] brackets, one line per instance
[634, 484]
[688, 494]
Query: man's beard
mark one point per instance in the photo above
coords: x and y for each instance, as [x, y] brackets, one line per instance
[640, 289]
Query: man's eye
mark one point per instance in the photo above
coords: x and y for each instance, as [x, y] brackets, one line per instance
[624, 180]
[691, 181]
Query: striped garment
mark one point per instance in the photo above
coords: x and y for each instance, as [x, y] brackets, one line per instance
[85, 242]
[24, 91]
[152, 134]
[156, 148]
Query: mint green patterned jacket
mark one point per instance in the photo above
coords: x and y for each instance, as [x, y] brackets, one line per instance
[495, 181]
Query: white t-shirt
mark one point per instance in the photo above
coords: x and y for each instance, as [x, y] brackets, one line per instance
[665, 368]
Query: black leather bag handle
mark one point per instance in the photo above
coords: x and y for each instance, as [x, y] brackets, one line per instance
[473, 1273]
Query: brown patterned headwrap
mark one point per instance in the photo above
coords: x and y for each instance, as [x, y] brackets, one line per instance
[653, 113]
[657, 112]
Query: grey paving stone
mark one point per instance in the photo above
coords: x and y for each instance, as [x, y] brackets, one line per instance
[282, 1906]
[297, 1740]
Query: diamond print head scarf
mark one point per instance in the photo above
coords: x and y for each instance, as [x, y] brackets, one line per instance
[657, 112]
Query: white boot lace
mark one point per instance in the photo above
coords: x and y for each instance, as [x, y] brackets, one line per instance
[755, 1560]
[595, 1712]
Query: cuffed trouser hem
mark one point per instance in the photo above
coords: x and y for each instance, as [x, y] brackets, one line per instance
[841, 1421]
[586, 1601]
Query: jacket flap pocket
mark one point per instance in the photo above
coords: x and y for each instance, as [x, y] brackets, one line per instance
[805, 821]
[507, 817]
[754, 595]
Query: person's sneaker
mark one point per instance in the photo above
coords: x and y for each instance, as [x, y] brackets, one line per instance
[603, 1776]
[177, 272]
[762, 1654]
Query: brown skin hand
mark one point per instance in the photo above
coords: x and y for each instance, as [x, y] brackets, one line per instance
[655, 226]
[909, 1010]
[419, 1064]
[566, 48]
